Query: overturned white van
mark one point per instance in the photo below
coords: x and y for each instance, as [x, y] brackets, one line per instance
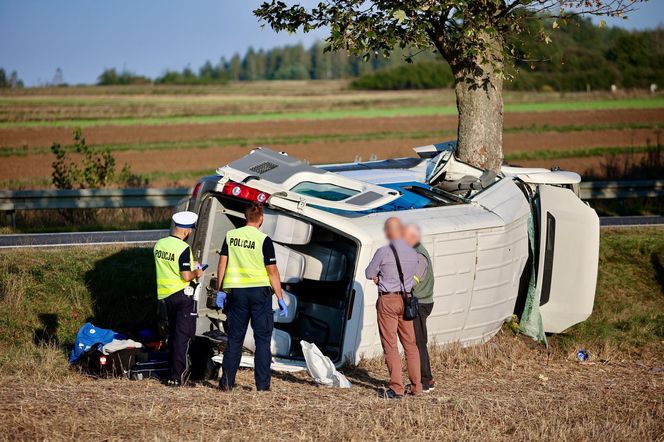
[327, 221]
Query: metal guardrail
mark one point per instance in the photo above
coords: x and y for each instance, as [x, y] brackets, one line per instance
[10, 201]
[591, 190]
[90, 198]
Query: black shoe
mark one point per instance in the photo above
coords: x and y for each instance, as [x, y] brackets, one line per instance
[173, 383]
[390, 394]
[428, 387]
[224, 387]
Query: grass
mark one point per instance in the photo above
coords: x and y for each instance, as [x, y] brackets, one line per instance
[414, 111]
[103, 283]
[508, 389]
[90, 220]
[629, 307]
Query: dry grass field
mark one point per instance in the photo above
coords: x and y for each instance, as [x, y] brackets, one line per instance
[507, 389]
[173, 135]
[510, 388]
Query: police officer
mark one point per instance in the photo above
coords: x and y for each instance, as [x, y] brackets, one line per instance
[176, 273]
[247, 269]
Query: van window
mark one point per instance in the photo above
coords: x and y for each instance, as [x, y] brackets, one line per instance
[436, 197]
[325, 191]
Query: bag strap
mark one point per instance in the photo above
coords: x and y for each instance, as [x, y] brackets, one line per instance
[396, 258]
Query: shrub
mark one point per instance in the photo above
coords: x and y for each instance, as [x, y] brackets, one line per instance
[96, 169]
[112, 77]
[422, 75]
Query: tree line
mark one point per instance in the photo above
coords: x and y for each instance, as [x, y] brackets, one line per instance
[293, 62]
[579, 56]
[10, 81]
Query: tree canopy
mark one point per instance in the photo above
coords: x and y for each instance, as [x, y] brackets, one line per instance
[457, 29]
[474, 37]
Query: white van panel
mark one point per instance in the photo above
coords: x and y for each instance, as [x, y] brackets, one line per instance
[501, 256]
[477, 275]
[504, 199]
[569, 255]
[453, 257]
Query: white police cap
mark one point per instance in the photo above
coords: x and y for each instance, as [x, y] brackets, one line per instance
[185, 219]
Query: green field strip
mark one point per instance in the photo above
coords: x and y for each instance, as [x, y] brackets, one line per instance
[418, 111]
[313, 138]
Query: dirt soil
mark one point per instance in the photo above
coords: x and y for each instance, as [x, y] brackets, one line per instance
[508, 389]
[44, 136]
[208, 159]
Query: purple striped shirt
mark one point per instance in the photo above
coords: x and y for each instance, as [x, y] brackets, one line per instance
[384, 265]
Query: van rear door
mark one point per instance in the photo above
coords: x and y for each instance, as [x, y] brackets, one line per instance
[568, 258]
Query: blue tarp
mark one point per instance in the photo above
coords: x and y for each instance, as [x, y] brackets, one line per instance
[90, 336]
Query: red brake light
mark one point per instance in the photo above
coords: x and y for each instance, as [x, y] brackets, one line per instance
[241, 191]
[196, 190]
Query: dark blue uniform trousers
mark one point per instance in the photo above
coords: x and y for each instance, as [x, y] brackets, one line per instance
[245, 304]
[181, 329]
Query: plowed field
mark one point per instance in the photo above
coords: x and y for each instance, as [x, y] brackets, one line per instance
[169, 152]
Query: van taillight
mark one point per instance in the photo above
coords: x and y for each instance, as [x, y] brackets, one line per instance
[196, 191]
[241, 191]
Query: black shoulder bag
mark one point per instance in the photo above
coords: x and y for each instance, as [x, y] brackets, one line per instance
[409, 301]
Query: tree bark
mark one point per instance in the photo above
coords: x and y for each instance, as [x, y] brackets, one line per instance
[479, 94]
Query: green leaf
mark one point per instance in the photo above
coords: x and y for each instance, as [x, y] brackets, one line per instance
[400, 15]
[602, 23]
[555, 24]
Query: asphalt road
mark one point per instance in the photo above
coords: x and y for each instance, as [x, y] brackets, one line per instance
[149, 237]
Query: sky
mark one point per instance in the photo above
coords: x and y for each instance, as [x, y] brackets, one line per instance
[82, 37]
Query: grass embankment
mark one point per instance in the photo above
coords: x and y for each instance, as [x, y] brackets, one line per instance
[509, 388]
[369, 112]
[113, 286]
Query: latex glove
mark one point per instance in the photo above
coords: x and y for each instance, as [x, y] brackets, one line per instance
[221, 299]
[283, 308]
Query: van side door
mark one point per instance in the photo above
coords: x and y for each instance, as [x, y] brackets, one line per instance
[568, 258]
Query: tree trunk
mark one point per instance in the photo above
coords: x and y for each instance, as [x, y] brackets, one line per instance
[479, 93]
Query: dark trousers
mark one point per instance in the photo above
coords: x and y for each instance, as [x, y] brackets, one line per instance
[420, 324]
[247, 304]
[181, 329]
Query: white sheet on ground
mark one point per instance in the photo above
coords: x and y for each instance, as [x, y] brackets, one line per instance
[321, 368]
[120, 344]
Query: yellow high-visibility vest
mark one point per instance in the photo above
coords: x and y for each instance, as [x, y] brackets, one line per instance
[246, 266]
[167, 251]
